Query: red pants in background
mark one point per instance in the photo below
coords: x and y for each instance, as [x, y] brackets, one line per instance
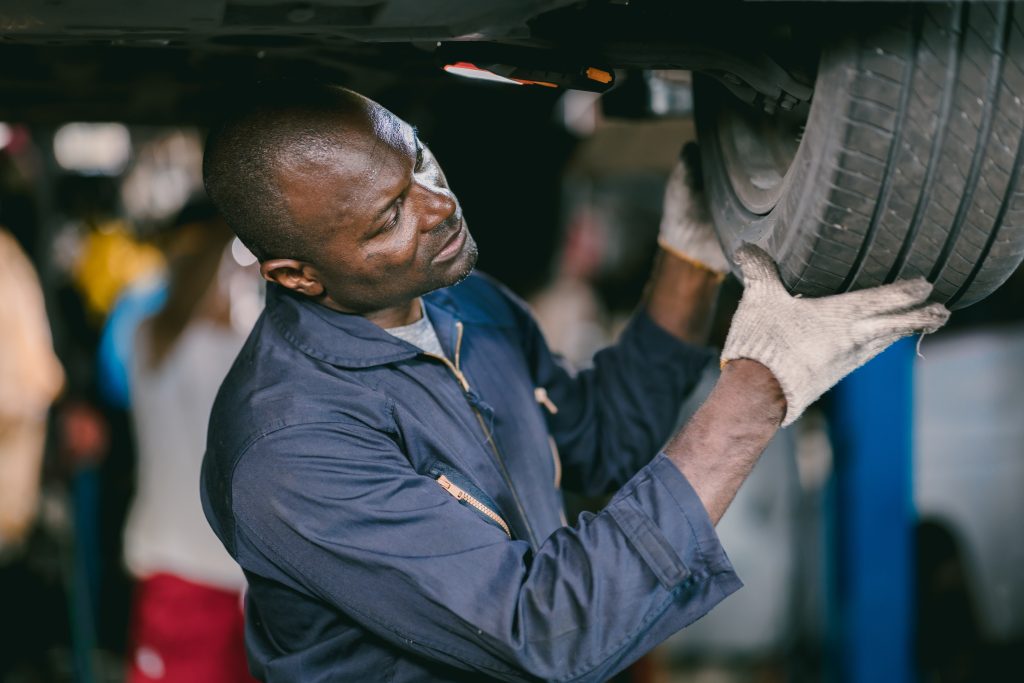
[184, 632]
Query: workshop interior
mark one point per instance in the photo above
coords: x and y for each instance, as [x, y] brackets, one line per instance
[857, 143]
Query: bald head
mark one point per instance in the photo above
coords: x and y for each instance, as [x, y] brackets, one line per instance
[289, 133]
[340, 200]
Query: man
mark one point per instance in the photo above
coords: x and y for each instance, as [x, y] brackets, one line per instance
[385, 455]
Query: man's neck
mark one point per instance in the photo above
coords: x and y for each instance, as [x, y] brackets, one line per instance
[397, 316]
[392, 316]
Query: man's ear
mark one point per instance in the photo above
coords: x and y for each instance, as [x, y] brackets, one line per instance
[295, 275]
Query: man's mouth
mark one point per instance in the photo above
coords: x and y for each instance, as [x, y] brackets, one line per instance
[454, 243]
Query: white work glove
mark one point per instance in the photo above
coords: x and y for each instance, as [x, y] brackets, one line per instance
[810, 344]
[686, 227]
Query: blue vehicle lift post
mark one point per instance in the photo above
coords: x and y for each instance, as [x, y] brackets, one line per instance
[871, 525]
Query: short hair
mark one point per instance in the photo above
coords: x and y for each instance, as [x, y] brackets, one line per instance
[244, 150]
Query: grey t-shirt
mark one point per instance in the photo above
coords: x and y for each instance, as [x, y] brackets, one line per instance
[420, 334]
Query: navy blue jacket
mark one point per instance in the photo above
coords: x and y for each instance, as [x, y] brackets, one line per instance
[398, 515]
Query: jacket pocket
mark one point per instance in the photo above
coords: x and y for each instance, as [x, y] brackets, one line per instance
[468, 494]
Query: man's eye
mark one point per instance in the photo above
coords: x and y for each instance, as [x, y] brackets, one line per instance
[393, 221]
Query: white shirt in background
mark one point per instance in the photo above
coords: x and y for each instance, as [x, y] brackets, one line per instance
[166, 530]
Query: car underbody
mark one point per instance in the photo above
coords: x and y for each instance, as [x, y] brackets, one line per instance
[164, 62]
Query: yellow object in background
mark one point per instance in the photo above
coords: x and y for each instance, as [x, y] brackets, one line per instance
[111, 259]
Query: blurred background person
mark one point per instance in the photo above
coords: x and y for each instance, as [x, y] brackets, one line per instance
[186, 622]
[30, 379]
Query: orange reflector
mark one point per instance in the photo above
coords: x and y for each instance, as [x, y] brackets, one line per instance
[599, 75]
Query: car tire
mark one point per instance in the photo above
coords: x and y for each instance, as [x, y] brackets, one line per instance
[906, 163]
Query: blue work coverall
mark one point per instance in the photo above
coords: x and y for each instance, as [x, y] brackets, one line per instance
[399, 515]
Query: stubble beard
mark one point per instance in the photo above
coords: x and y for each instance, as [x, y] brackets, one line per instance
[469, 261]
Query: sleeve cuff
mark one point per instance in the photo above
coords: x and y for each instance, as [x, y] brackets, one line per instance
[668, 525]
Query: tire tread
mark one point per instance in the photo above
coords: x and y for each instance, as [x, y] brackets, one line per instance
[940, 203]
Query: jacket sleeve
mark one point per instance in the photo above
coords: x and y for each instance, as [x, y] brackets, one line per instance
[339, 511]
[615, 416]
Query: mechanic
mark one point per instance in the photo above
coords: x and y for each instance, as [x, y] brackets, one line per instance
[384, 458]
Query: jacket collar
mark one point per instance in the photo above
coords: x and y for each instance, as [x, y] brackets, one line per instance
[348, 340]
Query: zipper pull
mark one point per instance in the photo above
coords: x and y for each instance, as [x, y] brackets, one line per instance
[462, 496]
[451, 488]
[541, 394]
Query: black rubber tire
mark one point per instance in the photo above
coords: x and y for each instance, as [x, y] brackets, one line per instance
[909, 164]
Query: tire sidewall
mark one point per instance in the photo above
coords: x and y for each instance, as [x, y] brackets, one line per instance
[789, 232]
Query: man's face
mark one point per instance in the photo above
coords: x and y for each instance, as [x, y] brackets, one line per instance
[392, 229]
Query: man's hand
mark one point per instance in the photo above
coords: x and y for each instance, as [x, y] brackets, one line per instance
[810, 344]
[686, 227]
[783, 352]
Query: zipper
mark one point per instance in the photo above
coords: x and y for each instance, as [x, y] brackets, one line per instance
[456, 370]
[460, 495]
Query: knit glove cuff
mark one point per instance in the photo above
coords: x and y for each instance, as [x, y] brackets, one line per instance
[686, 227]
[811, 344]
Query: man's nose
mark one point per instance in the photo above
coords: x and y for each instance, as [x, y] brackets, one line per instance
[438, 204]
